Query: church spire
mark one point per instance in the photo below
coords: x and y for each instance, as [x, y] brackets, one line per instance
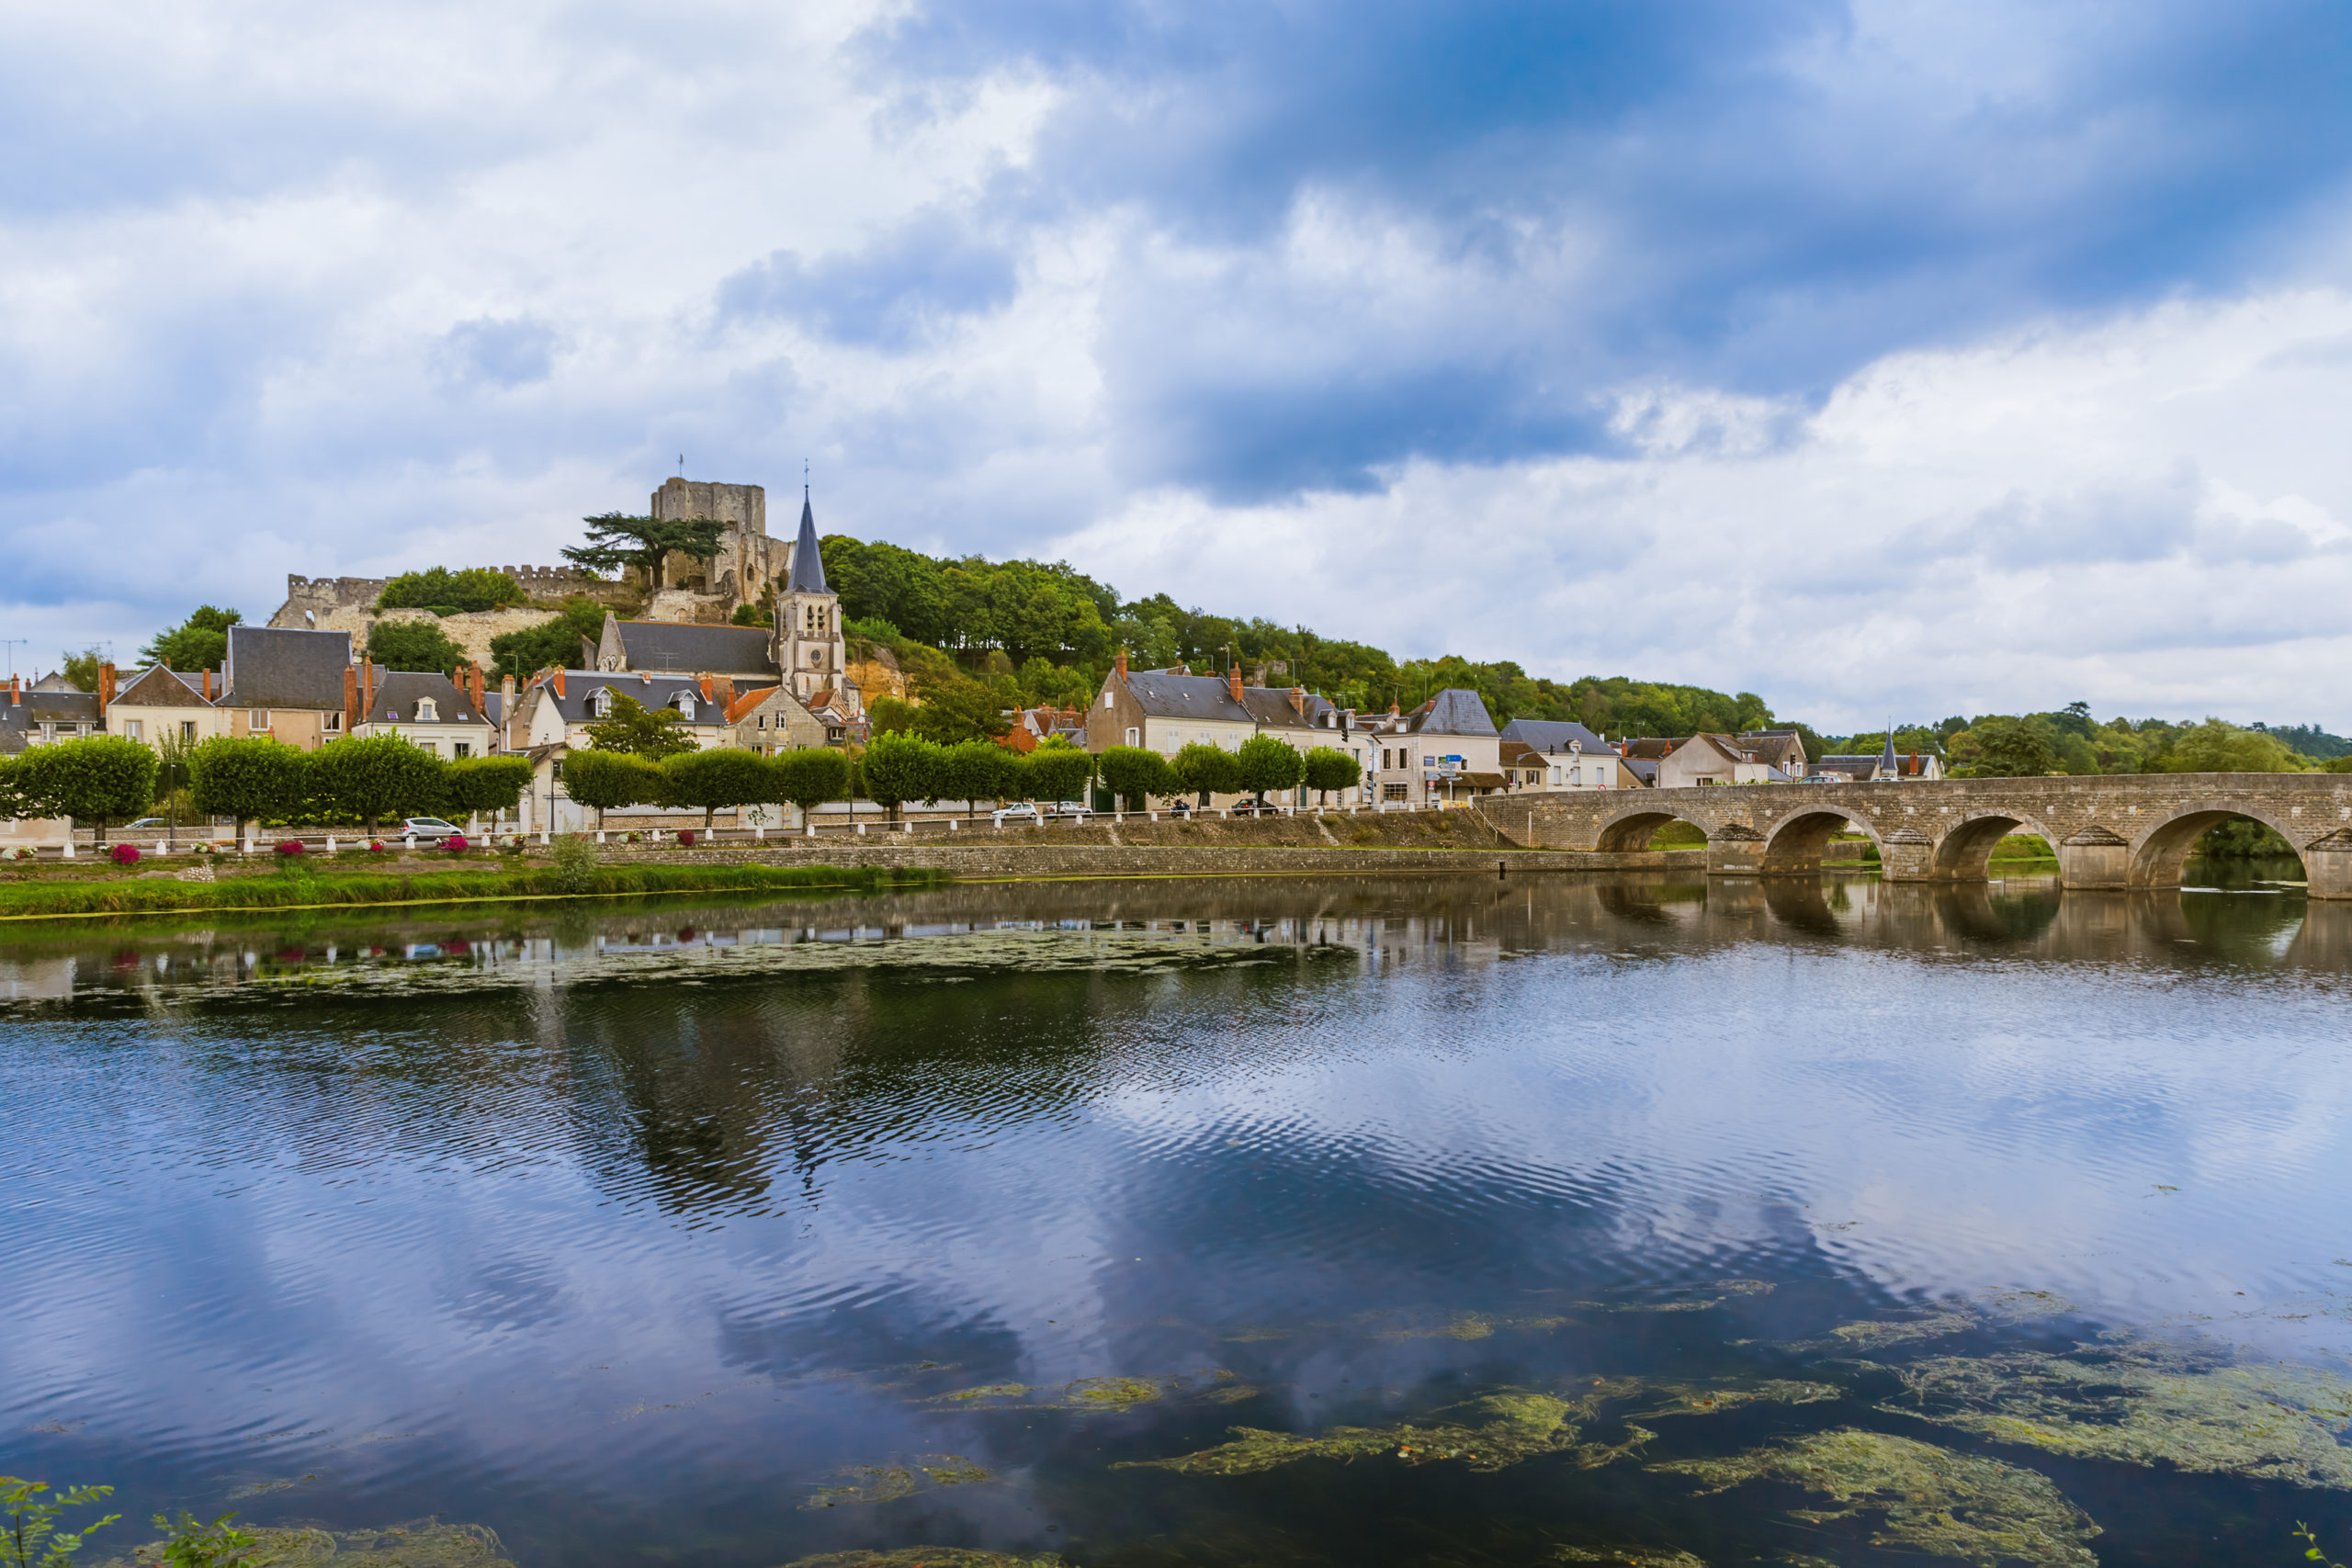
[807, 565]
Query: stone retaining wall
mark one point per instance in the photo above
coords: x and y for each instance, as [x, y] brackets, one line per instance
[1144, 860]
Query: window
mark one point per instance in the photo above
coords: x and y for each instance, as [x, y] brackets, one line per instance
[763, 722]
[334, 721]
[187, 731]
[130, 730]
[461, 749]
[1134, 736]
[1392, 792]
[427, 711]
[685, 704]
[432, 746]
[259, 719]
[1106, 697]
[601, 704]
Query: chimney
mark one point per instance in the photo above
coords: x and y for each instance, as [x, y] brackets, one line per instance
[1120, 664]
[1393, 711]
[1298, 700]
[705, 684]
[106, 688]
[16, 692]
[351, 709]
[557, 676]
[1233, 682]
[208, 685]
[506, 689]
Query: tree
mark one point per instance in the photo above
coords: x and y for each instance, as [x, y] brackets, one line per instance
[1268, 763]
[892, 715]
[609, 781]
[368, 779]
[245, 777]
[1208, 771]
[1058, 770]
[616, 541]
[1132, 774]
[2214, 747]
[2003, 747]
[631, 726]
[900, 768]
[752, 616]
[960, 708]
[809, 777]
[974, 771]
[442, 591]
[475, 784]
[723, 775]
[413, 645]
[552, 644]
[81, 670]
[200, 642]
[96, 781]
[1327, 768]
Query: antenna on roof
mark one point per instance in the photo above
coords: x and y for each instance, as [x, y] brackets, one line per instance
[682, 464]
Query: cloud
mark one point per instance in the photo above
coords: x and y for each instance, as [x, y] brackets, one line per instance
[895, 293]
[490, 351]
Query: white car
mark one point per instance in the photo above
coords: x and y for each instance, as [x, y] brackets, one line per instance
[1070, 810]
[1022, 812]
[427, 828]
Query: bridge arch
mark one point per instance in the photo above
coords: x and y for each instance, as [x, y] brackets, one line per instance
[1632, 829]
[1792, 845]
[2159, 853]
[1965, 852]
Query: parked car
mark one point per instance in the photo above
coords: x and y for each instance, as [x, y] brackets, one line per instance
[1251, 808]
[427, 828]
[158, 822]
[1022, 812]
[1070, 811]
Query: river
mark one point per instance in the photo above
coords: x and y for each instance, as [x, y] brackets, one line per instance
[1424, 1219]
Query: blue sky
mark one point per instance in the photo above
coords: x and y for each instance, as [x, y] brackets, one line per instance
[1875, 357]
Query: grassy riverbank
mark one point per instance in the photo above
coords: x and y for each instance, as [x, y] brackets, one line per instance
[330, 887]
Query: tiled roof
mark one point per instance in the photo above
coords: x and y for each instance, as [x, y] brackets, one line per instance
[20, 722]
[675, 648]
[271, 667]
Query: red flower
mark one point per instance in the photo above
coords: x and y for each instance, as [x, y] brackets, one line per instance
[125, 854]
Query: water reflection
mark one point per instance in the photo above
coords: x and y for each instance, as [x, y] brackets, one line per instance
[742, 1234]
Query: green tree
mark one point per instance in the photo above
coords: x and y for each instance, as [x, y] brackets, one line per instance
[200, 642]
[974, 771]
[413, 645]
[900, 768]
[99, 780]
[1057, 771]
[245, 778]
[1327, 768]
[611, 780]
[28, 1534]
[723, 775]
[616, 541]
[81, 670]
[1268, 763]
[441, 589]
[367, 779]
[553, 644]
[1133, 773]
[2003, 747]
[961, 708]
[810, 776]
[485, 784]
[631, 726]
[752, 616]
[1208, 771]
[2214, 747]
[892, 715]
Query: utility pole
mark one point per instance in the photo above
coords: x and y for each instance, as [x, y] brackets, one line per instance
[13, 643]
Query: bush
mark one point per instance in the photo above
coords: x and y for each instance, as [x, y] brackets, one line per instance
[290, 848]
[413, 645]
[126, 854]
[446, 591]
[686, 837]
[455, 844]
[574, 856]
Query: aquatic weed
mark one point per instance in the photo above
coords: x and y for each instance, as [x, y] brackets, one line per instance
[881, 1483]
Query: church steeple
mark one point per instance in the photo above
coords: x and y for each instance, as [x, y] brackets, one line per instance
[807, 564]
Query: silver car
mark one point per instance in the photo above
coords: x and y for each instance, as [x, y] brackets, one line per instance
[428, 828]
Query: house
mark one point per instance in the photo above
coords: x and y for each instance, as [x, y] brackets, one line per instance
[288, 685]
[1782, 749]
[1694, 761]
[47, 712]
[1540, 755]
[840, 711]
[1887, 766]
[162, 705]
[552, 714]
[425, 708]
[769, 720]
[1446, 750]
[673, 648]
[1167, 710]
[1034, 727]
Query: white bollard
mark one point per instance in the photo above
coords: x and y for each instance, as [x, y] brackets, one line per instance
[1151, 815]
[69, 848]
[861, 829]
[408, 844]
[951, 824]
[600, 835]
[759, 833]
[543, 837]
[330, 843]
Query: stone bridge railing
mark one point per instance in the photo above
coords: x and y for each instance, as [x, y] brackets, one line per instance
[2128, 830]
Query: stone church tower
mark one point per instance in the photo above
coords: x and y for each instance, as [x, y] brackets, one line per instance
[808, 647]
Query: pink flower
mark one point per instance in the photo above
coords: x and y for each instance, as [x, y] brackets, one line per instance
[125, 854]
[290, 848]
[454, 843]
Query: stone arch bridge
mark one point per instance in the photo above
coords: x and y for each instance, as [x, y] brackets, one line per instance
[2122, 832]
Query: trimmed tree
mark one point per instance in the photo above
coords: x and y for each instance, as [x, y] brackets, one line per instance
[723, 775]
[99, 780]
[900, 768]
[1328, 769]
[611, 780]
[810, 777]
[1208, 769]
[1058, 770]
[245, 778]
[368, 779]
[1268, 763]
[974, 771]
[1131, 774]
[476, 784]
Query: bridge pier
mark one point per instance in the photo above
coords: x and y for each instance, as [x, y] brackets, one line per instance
[2328, 866]
[1734, 852]
[1908, 855]
[2096, 858]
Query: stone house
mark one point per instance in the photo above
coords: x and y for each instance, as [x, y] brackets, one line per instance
[1782, 749]
[769, 720]
[1541, 755]
[425, 708]
[1167, 710]
[161, 704]
[673, 647]
[1446, 750]
[288, 685]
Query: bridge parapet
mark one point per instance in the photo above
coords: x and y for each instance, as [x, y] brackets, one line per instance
[2127, 830]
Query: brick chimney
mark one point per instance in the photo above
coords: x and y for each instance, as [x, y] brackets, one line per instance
[208, 685]
[1233, 682]
[16, 692]
[557, 677]
[704, 682]
[351, 708]
[1298, 700]
[1120, 664]
[106, 688]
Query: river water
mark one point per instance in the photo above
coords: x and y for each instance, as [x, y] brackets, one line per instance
[1353, 1220]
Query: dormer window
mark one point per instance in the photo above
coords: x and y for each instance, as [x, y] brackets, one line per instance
[601, 704]
[685, 705]
[427, 711]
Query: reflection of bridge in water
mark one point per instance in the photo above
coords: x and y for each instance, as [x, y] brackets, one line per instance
[2126, 831]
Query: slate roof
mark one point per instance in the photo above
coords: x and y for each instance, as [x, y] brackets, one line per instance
[20, 722]
[652, 691]
[808, 563]
[1644, 769]
[156, 687]
[1548, 735]
[1454, 710]
[1163, 694]
[271, 667]
[685, 650]
[398, 692]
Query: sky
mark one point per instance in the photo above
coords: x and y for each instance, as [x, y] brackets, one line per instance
[1881, 358]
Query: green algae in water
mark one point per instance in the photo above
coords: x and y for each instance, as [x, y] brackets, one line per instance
[1106, 1394]
[1491, 1432]
[1903, 1330]
[1627, 1557]
[992, 1390]
[924, 1557]
[2143, 1407]
[428, 1543]
[1709, 1399]
[1927, 1499]
[883, 1483]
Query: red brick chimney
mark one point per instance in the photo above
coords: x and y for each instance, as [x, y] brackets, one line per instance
[705, 684]
[1233, 682]
[16, 692]
[557, 676]
[352, 711]
[208, 685]
[1120, 664]
[1298, 700]
[106, 688]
